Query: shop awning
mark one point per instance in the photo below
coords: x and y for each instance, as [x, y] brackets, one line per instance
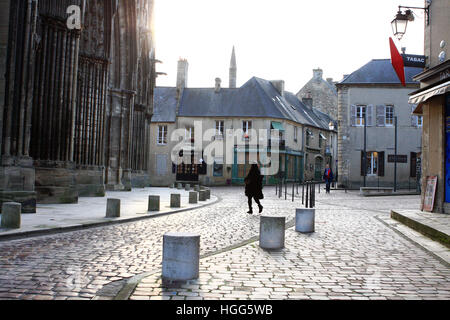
[277, 126]
[420, 97]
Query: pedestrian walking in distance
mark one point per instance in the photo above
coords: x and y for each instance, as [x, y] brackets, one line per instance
[328, 177]
[253, 187]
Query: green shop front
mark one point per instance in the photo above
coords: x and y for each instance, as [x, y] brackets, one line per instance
[290, 164]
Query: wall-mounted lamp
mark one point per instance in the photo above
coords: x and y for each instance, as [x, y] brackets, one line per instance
[401, 19]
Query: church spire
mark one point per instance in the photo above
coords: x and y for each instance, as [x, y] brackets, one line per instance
[233, 70]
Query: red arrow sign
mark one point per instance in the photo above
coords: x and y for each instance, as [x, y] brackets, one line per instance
[397, 62]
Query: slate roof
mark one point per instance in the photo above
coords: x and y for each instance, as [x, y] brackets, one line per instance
[164, 104]
[380, 71]
[256, 98]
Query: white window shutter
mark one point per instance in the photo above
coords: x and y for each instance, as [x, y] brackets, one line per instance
[369, 111]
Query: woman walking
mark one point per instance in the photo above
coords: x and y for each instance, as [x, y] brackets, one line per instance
[253, 187]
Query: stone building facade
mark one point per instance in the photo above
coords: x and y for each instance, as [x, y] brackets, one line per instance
[75, 104]
[374, 94]
[320, 94]
[433, 103]
[261, 105]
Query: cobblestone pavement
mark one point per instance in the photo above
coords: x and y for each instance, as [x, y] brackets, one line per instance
[78, 264]
[351, 254]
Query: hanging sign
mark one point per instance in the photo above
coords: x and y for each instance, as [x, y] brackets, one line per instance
[413, 60]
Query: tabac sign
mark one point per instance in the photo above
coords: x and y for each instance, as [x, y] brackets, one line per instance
[413, 60]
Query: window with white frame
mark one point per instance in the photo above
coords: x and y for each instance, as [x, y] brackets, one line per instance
[246, 127]
[189, 134]
[389, 115]
[219, 128]
[360, 115]
[162, 135]
[419, 121]
[372, 163]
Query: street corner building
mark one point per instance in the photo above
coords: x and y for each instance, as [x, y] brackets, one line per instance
[306, 141]
[76, 104]
[433, 104]
[369, 99]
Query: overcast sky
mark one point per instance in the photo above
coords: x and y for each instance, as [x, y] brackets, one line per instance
[276, 39]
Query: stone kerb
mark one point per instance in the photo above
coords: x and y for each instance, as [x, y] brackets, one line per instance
[271, 232]
[304, 220]
[193, 196]
[175, 200]
[153, 203]
[181, 255]
[112, 208]
[11, 218]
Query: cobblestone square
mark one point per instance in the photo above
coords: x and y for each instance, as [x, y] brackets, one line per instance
[351, 255]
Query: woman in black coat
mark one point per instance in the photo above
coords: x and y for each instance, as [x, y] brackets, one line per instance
[253, 187]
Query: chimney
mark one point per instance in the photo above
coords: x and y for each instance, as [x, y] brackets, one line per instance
[279, 85]
[330, 80]
[217, 89]
[317, 74]
[182, 73]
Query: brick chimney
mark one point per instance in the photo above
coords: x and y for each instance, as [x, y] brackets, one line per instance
[182, 73]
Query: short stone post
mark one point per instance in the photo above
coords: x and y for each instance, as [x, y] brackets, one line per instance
[11, 218]
[180, 186]
[187, 187]
[181, 255]
[153, 203]
[112, 208]
[208, 194]
[304, 220]
[202, 196]
[197, 188]
[271, 232]
[193, 196]
[175, 200]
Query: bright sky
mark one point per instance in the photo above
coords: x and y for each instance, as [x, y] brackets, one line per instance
[276, 39]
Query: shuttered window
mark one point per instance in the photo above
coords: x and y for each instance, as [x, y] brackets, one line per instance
[358, 114]
[389, 115]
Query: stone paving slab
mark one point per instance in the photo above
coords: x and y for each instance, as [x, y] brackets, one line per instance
[434, 225]
[90, 211]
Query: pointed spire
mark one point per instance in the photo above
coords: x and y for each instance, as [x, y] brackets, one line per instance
[233, 70]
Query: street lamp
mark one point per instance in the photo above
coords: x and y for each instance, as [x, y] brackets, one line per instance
[400, 23]
[331, 126]
[401, 19]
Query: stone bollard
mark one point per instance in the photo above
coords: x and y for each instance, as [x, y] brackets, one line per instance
[208, 193]
[172, 185]
[197, 188]
[187, 187]
[11, 215]
[271, 232]
[153, 203]
[175, 200]
[193, 196]
[181, 255]
[202, 196]
[179, 186]
[113, 208]
[304, 220]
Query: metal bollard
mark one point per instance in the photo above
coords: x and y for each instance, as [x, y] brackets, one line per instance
[285, 190]
[293, 192]
[307, 195]
[319, 187]
[303, 193]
